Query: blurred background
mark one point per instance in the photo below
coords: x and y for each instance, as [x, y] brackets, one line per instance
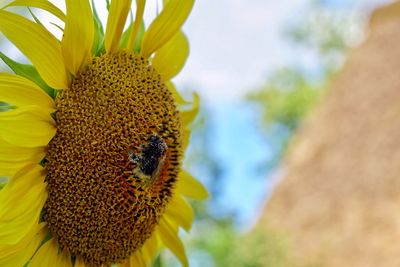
[261, 68]
[270, 143]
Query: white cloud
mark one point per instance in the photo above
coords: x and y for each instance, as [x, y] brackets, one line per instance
[234, 43]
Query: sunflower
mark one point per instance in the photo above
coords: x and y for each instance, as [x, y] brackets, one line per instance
[92, 136]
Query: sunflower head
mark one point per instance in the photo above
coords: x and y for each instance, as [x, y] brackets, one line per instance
[92, 137]
[112, 162]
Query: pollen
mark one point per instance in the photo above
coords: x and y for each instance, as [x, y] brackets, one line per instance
[113, 163]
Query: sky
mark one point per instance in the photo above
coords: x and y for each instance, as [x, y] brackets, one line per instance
[236, 43]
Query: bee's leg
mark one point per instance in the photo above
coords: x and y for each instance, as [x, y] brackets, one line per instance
[133, 157]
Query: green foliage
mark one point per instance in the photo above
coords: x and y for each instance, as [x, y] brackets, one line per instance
[261, 248]
[3, 182]
[27, 71]
[286, 98]
[326, 33]
[289, 93]
[98, 42]
[228, 247]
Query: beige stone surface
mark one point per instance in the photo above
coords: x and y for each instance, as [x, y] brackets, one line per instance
[339, 201]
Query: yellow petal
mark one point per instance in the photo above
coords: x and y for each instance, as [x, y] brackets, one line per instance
[186, 137]
[118, 12]
[140, 4]
[78, 36]
[18, 254]
[13, 158]
[139, 261]
[8, 169]
[179, 211]
[171, 240]
[125, 263]
[189, 115]
[40, 46]
[174, 224]
[79, 262]
[13, 153]
[21, 202]
[136, 260]
[177, 96]
[49, 255]
[150, 249]
[27, 126]
[188, 186]
[166, 25]
[19, 91]
[170, 59]
[42, 4]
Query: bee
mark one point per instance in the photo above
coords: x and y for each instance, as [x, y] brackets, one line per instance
[151, 158]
